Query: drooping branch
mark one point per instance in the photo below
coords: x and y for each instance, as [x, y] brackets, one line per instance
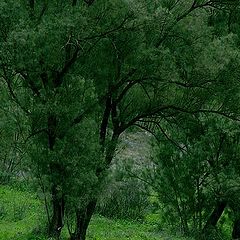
[153, 112]
[11, 91]
[182, 16]
[146, 114]
[207, 111]
[44, 130]
[104, 34]
[130, 84]
[142, 124]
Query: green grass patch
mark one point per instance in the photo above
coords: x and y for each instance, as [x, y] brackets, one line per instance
[22, 214]
[105, 229]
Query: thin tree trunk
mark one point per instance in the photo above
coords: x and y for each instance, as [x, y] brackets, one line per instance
[83, 218]
[215, 215]
[56, 222]
[236, 229]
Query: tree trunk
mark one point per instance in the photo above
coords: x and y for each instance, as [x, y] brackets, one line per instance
[31, 4]
[56, 222]
[236, 229]
[74, 3]
[83, 218]
[215, 216]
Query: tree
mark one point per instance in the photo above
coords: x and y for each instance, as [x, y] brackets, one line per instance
[204, 157]
[11, 136]
[33, 68]
[117, 64]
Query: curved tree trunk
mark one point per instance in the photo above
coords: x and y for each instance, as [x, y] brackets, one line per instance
[83, 218]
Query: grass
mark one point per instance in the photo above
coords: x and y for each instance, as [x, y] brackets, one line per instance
[106, 229]
[18, 212]
[21, 213]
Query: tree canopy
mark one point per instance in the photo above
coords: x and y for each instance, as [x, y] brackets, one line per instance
[81, 73]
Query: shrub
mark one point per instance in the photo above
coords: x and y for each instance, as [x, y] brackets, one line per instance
[124, 200]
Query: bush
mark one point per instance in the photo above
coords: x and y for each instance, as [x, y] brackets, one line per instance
[124, 200]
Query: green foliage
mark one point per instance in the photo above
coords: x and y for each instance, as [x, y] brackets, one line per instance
[11, 153]
[79, 76]
[205, 163]
[124, 200]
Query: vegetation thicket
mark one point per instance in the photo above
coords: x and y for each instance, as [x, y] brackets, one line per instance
[77, 76]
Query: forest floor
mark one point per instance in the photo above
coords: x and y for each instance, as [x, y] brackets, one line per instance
[22, 218]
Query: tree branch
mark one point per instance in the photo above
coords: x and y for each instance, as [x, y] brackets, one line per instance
[104, 34]
[12, 94]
